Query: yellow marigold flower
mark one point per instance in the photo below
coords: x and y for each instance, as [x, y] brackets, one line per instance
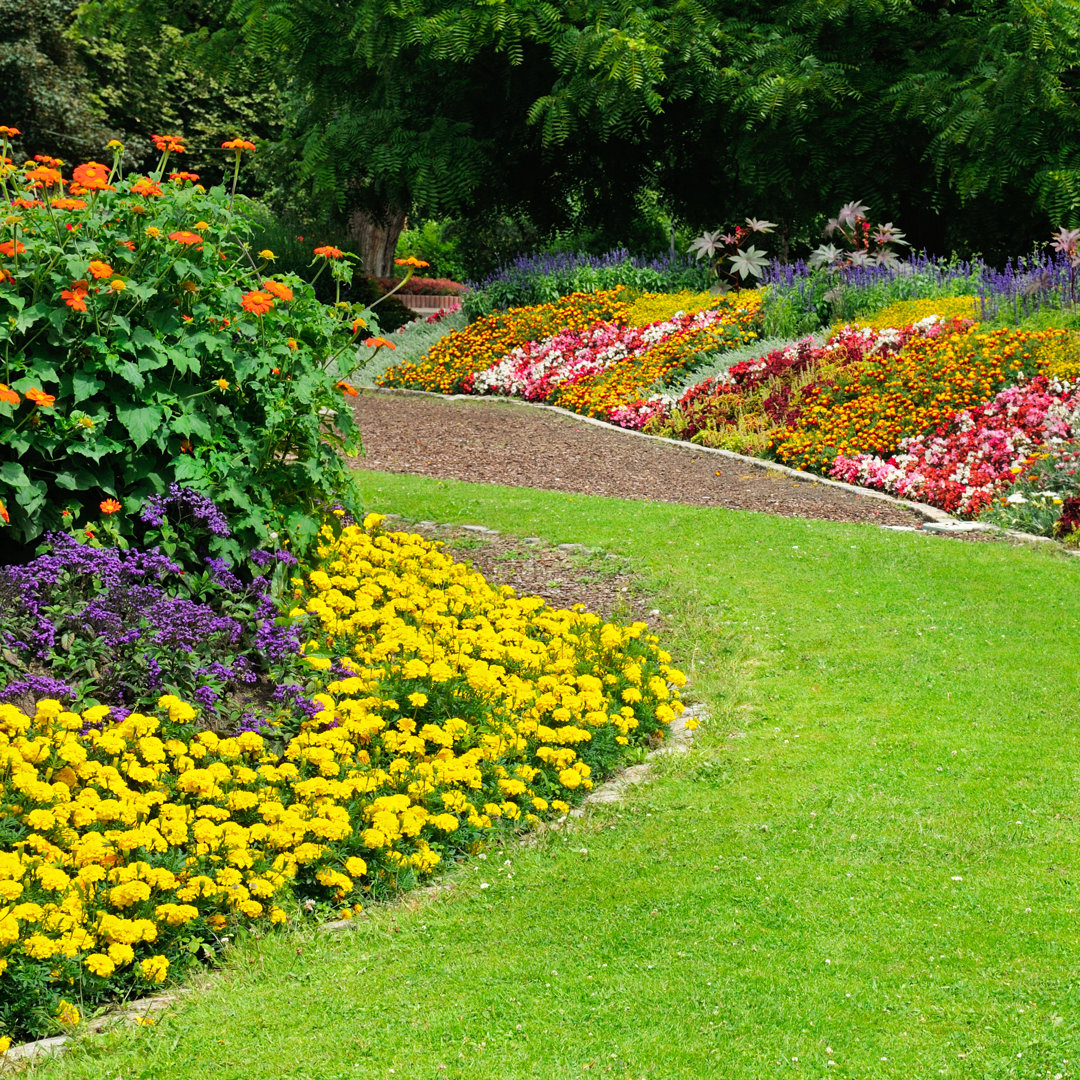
[154, 969]
[100, 965]
[67, 1015]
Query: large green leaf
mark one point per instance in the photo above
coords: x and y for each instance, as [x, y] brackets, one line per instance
[141, 421]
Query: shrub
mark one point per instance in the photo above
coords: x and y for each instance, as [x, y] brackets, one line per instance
[145, 344]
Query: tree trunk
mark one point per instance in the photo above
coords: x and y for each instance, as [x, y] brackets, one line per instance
[374, 239]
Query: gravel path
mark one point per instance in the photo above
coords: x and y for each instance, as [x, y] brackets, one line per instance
[494, 440]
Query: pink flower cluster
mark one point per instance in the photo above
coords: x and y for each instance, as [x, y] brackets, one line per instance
[532, 371]
[962, 465]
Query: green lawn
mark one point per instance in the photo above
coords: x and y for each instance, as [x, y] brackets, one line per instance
[865, 868]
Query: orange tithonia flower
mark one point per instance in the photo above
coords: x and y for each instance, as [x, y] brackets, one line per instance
[293, 344]
[180, 177]
[26, 204]
[238, 145]
[358, 325]
[11, 248]
[411, 261]
[174, 144]
[129, 244]
[4, 514]
[75, 298]
[9, 132]
[44, 176]
[185, 236]
[8, 395]
[5, 276]
[276, 288]
[109, 506]
[146, 187]
[258, 303]
[68, 204]
[377, 342]
[347, 389]
[328, 252]
[100, 269]
[38, 397]
[93, 176]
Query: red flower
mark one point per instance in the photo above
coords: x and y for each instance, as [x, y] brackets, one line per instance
[376, 342]
[186, 237]
[9, 132]
[109, 506]
[258, 303]
[180, 177]
[75, 299]
[172, 144]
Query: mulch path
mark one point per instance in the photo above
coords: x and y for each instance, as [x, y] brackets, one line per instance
[502, 442]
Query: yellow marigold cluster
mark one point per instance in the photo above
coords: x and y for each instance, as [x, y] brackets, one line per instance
[448, 706]
[906, 312]
[649, 308]
[1061, 356]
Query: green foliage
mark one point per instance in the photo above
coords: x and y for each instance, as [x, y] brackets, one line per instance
[144, 343]
[437, 243]
[410, 344]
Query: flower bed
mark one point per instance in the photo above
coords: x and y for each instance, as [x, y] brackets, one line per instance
[445, 709]
[451, 362]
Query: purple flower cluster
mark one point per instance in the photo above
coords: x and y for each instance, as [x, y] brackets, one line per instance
[125, 625]
[185, 505]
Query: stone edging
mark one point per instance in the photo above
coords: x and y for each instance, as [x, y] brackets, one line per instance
[936, 520]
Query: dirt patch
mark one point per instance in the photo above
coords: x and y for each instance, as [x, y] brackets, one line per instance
[501, 442]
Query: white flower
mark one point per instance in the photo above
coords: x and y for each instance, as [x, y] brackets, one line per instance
[1016, 498]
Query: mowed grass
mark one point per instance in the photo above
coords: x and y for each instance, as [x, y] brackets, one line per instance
[866, 867]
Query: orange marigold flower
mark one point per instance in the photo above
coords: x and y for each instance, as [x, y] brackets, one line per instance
[99, 269]
[411, 261]
[328, 252]
[172, 143]
[146, 187]
[9, 132]
[347, 389]
[38, 397]
[376, 342]
[93, 176]
[180, 177]
[258, 303]
[276, 288]
[238, 145]
[8, 395]
[109, 506]
[68, 204]
[186, 237]
[11, 248]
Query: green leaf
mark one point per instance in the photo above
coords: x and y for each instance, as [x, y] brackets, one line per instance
[84, 386]
[141, 421]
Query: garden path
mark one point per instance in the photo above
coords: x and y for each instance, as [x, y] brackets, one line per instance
[498, 441]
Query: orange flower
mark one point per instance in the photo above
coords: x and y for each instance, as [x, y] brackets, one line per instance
[8, 395]
[100, 269]
[186, 237]
[109, 506]
[238, 145]
[146, 187]
[68, 204]
[75, 298]
[46, 401]
[258, 303]
[328, 252]
[52, 162]
[411, 261]
[93, 176]
[4, 514]
[377, 342]
[347, 389]
[44, 176]
[9, 132]
[26, 204]
[180, 177]
[116, 285]
[129, 244]
[11, 248]
[5, 276]
[172, 144]
[276, 288]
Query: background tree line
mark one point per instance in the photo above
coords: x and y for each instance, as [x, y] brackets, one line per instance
[601, 121]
